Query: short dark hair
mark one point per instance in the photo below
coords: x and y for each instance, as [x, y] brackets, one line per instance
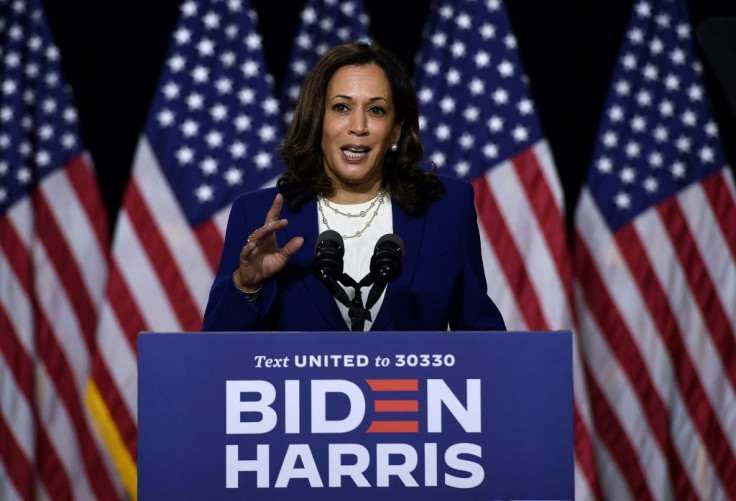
[410, 186]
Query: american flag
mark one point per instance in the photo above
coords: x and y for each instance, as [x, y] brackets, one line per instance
[211, 133]
[53, 266]
[323, 24]
[655, 286]
[479, 123]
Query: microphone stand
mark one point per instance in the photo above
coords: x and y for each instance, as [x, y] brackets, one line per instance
[357, 312]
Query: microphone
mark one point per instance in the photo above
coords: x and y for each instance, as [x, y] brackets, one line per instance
[327, 263]
[385, 265]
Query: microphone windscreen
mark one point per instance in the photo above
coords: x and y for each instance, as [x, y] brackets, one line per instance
[330, 236]
[392, 239]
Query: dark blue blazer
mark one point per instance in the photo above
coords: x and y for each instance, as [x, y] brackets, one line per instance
[442, 284]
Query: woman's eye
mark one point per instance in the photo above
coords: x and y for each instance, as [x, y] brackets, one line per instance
[377, 110]
[340, 107]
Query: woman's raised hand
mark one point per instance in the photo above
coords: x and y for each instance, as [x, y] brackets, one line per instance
[261, 257]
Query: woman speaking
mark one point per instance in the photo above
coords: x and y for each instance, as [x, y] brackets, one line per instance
[353, 156]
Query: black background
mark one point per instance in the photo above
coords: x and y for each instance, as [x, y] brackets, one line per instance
[112, 54]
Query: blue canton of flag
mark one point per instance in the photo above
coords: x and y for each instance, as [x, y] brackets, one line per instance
[38, 124]
[324, 24]
[657, 135]
[214, 124]
[476, 109]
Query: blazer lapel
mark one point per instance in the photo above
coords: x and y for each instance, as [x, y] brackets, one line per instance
[318, 298]
[411, 231]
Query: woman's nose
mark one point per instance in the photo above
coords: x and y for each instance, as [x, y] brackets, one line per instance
[358, 125]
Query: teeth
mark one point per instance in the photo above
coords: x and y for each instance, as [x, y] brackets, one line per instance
[354, 154]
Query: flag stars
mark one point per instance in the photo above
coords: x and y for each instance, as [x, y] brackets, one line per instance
[672, 82]
[510, 42]
[706, 154]
[615, 114]
[442, 132]
[195, 101]
[439, 39]
[249, 68]
[189, 8]
[247, 96]
[218, 112]
[487, 31]
[490, 151]
[520, 134]
[213, 139]
[622, 88]
[189, 128]
[622, 200]
[650, 72]
[627, 175]
[526, 107]
[471, 114]
[650, 184]
[262, 160]
[204, 193]
[711, 129]
[683, 144]
[500, 96]
[655, 160]
[170, 90]
[224, 85]
[184, 155]
[466, 141]
[482, 59]
[182, 36]
[211, 21]
[438, 159]
[604, 165]
[677, 56]
[462, 168]
[238, 149]
[176, 63]
[24, 175]
[253, 41]
[425, 95]
[632, 149]
[644, 98]
[689, 118]
[165, 117]
[242, 123]
[208, 166]
[666, 108]
[228, 59]
[695, 93]
[206, 47]
[610, 139]
[638, 123]
[458, 49]
[447, 105]
[463, 21]
[505, 69]
[270, 106]
[432, 67]
[476, 87]
[267, 133]
[656, 46]
[678, 170]
[495, 123]
[629, 61]
[233, 176]
[453, 77]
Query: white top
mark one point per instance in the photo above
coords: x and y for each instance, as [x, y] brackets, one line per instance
[358, 250]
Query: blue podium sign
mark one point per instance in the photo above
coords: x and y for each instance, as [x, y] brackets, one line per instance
[336, 416]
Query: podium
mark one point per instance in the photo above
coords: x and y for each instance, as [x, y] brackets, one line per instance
[336, 416]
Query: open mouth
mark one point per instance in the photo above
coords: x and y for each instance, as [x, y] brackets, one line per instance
[354, 154]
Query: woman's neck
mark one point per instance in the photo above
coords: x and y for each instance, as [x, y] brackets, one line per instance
[350, 195]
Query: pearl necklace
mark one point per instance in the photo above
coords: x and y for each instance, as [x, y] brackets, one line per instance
[379, 198]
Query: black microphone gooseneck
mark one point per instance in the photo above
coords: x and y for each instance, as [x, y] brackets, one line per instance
[385, 265]
[327, 263]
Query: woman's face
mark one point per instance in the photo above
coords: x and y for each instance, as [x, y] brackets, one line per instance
[358, 128]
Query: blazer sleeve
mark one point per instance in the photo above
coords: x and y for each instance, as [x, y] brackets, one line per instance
[227, 308]
[474, 309]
